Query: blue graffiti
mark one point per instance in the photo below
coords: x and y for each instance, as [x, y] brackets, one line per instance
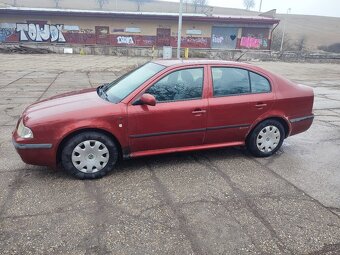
[5, 33]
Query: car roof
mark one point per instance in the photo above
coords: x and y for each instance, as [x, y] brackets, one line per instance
[187, 62]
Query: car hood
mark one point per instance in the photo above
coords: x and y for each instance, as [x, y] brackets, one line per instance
[84, 102]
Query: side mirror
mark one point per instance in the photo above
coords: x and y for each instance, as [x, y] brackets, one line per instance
[148, 99]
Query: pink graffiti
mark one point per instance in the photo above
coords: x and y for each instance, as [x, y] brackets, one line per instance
[250, 42]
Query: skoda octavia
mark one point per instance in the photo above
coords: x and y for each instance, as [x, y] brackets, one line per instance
[161, 107]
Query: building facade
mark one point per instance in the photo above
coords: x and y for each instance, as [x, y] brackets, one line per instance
[132, 29]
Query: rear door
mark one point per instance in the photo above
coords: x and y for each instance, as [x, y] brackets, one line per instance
[179, 117]
[237, 99]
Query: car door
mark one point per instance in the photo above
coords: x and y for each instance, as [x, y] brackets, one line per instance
[179, 117]
[234, 104]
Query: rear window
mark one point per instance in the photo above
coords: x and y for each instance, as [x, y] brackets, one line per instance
[259, 84]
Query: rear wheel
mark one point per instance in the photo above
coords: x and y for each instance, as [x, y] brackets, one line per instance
[266, 138]
[89, 155]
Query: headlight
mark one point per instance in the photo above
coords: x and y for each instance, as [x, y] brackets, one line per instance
[24, 132]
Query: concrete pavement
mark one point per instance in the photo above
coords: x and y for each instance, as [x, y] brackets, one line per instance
[209, 202]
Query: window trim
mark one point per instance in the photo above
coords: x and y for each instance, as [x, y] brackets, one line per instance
[240, 94]
[177, 70]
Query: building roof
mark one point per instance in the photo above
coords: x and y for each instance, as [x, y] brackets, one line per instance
[139, 15]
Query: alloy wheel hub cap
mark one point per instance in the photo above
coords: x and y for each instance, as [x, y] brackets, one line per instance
[268, 139]
[90, 156]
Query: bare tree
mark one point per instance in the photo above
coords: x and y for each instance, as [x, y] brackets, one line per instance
[276, 41]
[201, 5]
[249, 4]
[300, 44]
[56, 3]
[101, 3]
[139, 3]
[14, 2]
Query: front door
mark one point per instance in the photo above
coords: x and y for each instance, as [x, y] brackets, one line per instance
[163, 37]
[239, 98]
[179, 117]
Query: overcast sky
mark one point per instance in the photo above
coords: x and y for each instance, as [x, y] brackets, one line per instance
[311, 7]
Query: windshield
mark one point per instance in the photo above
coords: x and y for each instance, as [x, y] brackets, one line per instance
[123, 86]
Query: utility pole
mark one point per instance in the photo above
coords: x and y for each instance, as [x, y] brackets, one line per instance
[284, 29]
[260, 6]
[179, 35]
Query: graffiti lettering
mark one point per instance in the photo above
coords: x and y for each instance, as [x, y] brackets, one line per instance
[125, 40]
[217, 39]
[250, 42]
[255, 43]
[195, 40]
[264, 43]
[86, 31]
[37, 33]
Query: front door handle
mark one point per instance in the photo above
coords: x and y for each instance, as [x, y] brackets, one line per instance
[260, 105]
[198, 111]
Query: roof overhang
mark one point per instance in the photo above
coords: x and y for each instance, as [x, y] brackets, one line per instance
[139, 15]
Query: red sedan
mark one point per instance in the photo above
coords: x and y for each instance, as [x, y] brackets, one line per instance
[162, 107]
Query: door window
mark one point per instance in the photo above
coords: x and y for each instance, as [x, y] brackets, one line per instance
[229, 81]
[180, 85]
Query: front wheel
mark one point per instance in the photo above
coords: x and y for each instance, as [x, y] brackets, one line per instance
[89, 155]
[266, 138]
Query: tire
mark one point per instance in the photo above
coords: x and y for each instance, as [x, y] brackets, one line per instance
[266, 138]
[89, 155]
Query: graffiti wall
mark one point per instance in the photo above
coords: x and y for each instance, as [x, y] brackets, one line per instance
[73, 34]
[42, 32]
[255, 38]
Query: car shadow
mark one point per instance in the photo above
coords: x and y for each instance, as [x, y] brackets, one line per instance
[138, 164]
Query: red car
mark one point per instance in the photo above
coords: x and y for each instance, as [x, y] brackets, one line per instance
[164, 106]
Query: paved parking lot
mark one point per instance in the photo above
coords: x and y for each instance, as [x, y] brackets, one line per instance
[209, 202]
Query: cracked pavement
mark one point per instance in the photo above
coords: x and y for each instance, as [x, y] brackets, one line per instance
[208, 202]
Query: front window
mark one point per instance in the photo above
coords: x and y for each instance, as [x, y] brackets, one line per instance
[180, 85]
[125, 85]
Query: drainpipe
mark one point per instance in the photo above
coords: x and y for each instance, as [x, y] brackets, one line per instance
[271, 35]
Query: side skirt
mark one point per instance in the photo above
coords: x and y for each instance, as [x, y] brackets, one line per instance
[182, 149]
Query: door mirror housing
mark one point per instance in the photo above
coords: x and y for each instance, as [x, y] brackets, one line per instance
[148, 99]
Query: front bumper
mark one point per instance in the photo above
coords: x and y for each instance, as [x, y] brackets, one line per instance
[22, 146]
[36, 154]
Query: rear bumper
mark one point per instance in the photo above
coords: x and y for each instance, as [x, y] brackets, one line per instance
[36, 154]
[301, 124]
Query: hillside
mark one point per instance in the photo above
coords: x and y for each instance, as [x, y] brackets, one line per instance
[317, 30]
